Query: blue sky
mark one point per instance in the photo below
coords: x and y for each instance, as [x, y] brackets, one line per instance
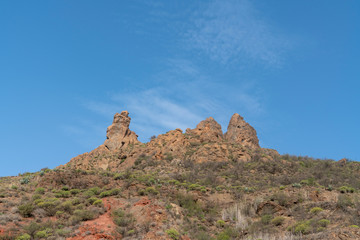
[290, 68]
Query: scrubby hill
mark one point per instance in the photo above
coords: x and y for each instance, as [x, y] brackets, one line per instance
[201, 184]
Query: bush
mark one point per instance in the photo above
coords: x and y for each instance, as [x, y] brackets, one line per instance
[26, 210]
[92, 200]
[84, 215]
[108, 193]
[323, 222]
[345, 189]
[151, 190]
[227, 234]
[266, 219]
[25, 236]
[98, 202]
[49, 205]
[281, 198]
[316, 210]
[41, 234]
[40, 190]
[302, 228]
[121, 218]
[173, 233]
[95, 190]
[187, 202]
[25, 180]
[220, 223]
[62, 194]
[344, 202]
[277, 221]
[74, 191]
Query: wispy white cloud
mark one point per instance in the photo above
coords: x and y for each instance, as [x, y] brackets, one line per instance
[233, 31]
[186, 92]
[181, 102]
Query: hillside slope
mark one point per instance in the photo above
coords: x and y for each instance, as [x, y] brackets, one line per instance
[197, 184]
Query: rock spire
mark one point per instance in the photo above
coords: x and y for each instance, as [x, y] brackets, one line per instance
[241, 132]
[118, 133]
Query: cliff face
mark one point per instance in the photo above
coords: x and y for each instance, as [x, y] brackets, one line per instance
[204, 143]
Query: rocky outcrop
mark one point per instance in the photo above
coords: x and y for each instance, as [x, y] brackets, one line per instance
[241, 132]
[207, 131]
[204, 143]
[118, 134]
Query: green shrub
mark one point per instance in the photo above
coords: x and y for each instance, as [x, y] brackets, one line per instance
[49, 205]
[354, 226]
[194, 186]
[151, 190]
[25, 236]
[345, 189]
[75, 201]
[41, 234]
[281, 198]
[344, 202]
[26, 209]
[187, 202]
[14, 187]
[121, 218]
[302, 228]
[40, 190]
[108, 193]
[62, 194]
[316, 210]
[36, 197]
[98, 202]
[84, 215]
[74, 191]
[95, 190]
[59, 213]
[266, 219]
[67, 206]
[323, 222]
[277, 221]
[173, 233]
[227, 234]
[220, 223]
[92, 200]
[141, 192]
[25, 180]
[120, 176]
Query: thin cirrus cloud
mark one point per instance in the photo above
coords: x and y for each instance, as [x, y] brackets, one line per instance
[233, 31]
[187, 98]
[184, 93]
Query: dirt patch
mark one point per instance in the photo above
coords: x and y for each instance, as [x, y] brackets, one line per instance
[102, 227]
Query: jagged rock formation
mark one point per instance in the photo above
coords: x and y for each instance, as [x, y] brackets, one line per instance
[208, 130]
[241, 132]
[204, 143]
[118, 134]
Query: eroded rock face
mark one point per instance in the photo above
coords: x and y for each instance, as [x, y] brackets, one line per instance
[208, 130]
[118, 133]
[241, 132]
